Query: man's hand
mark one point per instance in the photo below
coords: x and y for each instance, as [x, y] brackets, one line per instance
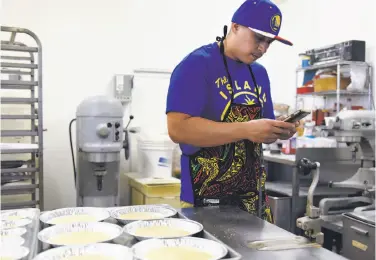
[201, 132]
[266, 130]
[291, 133]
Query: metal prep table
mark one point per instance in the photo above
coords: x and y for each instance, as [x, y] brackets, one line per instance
[289, 160]
[237, 229]
[336, 164]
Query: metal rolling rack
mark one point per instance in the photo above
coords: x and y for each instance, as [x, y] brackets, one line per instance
[15, 68]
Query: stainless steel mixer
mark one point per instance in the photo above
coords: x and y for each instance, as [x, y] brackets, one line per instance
[357, 130]
[99, 141]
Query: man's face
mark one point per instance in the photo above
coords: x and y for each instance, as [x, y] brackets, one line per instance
[250, 45]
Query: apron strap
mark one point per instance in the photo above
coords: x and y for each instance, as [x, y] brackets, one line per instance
[222, 50]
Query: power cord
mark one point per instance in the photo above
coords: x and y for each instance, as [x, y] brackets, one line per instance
[71, 145]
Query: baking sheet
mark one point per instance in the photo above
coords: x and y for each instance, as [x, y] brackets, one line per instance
[17, 146]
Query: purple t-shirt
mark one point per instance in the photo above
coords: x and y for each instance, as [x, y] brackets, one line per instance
[198, 88]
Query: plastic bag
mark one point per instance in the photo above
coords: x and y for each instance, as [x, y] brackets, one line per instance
[358, 74]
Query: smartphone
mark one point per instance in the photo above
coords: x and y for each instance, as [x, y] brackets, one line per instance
[296, 116]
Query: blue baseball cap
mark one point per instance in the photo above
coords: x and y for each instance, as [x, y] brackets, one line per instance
[262, 17]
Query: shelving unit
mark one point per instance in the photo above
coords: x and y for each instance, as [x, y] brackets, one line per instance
[338, 93]
[21, 119]
[289, 187]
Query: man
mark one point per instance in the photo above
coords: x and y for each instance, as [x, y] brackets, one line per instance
[219, 109]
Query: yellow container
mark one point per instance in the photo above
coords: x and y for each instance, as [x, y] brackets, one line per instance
[155, 191]
[330, 84]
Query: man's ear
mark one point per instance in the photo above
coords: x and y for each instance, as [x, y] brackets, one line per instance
[234, 27]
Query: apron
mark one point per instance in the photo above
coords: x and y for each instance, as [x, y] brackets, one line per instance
[232, 173]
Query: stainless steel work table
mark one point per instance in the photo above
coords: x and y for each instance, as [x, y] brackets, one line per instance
[335, 163]
[289, 160]
[237, 229]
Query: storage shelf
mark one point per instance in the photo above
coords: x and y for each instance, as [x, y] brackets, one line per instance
[15, 72]
[333, 92]
[331, 64]
[11, 47]
[19, 151]
[19, 189]
[5, 57]
[23, 148]
[18, 83]
[9, 117]
[17, 177]
[21, 204]
[26, 63]
[17, 87]
[18, 133]
[18, 65]
[19, 170]
[11, 100]
[365, 93]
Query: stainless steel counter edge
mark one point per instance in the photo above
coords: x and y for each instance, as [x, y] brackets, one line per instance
[280, 158]
[237, 229]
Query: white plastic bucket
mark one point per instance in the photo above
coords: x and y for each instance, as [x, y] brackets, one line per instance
[155, 157]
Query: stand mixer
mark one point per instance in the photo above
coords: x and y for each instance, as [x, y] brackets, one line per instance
[357, 130]
[99, 140]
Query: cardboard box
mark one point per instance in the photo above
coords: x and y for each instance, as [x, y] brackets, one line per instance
[146, 191]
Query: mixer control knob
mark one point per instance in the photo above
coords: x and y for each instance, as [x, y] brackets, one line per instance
[117, 125]
[103, 131]
[356, 125]
[117, 137]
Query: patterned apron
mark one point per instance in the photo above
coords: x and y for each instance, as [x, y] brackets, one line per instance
[232, 173]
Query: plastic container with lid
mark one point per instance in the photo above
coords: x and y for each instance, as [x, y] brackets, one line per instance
[155, 155]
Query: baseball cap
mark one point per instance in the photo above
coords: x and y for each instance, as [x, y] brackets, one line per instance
[262, 17]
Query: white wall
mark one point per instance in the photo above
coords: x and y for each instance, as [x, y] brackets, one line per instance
[86, 42]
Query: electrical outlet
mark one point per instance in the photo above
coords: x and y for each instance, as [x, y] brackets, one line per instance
[123, 87]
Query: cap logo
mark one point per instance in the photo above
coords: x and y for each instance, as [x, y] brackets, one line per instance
[275, 22]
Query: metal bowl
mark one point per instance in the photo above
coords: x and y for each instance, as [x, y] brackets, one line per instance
[188, 228]
[8, 224]
[142, 212]
[14, 252]
[105, 250]
[70, 215]
[87, 231]
[13, 232]
[18, 214]
[215, 249]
